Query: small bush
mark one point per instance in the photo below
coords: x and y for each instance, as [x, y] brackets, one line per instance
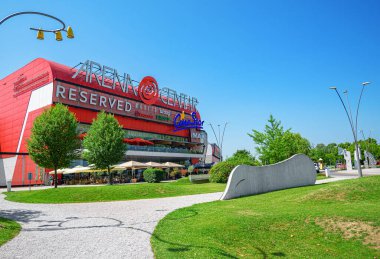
[175, 174]
[220, 172]
[154, 175]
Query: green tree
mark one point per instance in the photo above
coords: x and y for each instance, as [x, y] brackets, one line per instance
[276, 144]
[294, 143]
[243, 156]
[104, 143]
[53, 142]
[372, 147]
[329, 153]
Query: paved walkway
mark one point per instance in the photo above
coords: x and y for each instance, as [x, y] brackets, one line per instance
[89, 230]
[119, 229]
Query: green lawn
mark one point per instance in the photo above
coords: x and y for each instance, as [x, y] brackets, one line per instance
[321, 176]
[334, 220]
[114, 192]
[8, 230]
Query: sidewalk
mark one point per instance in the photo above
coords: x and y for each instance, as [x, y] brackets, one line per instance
[334, 179]
[43, 187]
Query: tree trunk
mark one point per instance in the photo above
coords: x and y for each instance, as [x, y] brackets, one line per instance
[55, 177]
[109, 176]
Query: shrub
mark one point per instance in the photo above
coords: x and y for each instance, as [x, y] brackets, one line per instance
[175, 174]
[154, 175]
[184, 172]
[220, 172]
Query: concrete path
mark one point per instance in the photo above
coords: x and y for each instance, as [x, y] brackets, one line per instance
[98, 230]
[344, 175]
[89, 230]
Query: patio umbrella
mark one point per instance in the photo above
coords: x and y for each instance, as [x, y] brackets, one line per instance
[131, 165]
[154, 164]
[128, 141]
[173, 165]
[147, 142]
[59, 171]
[77, 169]
[138, 141]
[141, 142]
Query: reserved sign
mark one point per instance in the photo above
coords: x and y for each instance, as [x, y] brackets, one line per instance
[92, 99]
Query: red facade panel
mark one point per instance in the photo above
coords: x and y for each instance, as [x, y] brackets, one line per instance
[16, 92]
[87, 116]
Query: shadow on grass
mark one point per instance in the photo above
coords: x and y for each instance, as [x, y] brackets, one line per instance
[178, 247]
[189, 214]
[68, 223]
[106, 222]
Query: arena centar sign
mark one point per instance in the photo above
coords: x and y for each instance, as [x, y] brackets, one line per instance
[147, 89]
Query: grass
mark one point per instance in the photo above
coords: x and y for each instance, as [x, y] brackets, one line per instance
[8, 230]
[321, 176]
[334, 220]
[114, 192]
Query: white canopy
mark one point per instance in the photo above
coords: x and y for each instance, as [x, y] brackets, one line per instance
[154, 164]
[59, 171]
[131, 165]
[170, 164]
[77, 169]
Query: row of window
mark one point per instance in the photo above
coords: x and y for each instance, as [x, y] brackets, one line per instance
[138, 134]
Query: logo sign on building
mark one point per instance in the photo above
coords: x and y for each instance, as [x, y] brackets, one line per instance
[147, 90]
[181, 123]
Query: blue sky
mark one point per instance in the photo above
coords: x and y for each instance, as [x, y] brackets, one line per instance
[243, 60]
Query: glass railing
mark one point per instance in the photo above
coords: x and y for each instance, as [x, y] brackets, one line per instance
[163, 149]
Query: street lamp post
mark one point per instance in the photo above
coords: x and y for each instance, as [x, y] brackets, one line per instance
[219, 140]
[354, 127]
[40, 32]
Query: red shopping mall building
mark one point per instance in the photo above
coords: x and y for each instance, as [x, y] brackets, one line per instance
[159, 123]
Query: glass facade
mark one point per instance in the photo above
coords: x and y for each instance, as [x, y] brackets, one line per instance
[139, 134]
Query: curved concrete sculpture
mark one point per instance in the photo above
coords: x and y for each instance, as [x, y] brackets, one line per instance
[295, 171]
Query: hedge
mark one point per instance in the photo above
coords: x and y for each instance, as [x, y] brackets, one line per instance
[220, 172]
[154, 175]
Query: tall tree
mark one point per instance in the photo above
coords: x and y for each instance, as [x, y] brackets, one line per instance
[276, 144]
[243, 156]
[104, 143]
[53, 142]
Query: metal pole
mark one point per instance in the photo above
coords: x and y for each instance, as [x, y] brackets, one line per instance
[357, 109]
[224, 129]
[365, 142]
[348, 102]
[219, 135]
[369, 141]
[352, 128]
[217, 141]
[37, 13]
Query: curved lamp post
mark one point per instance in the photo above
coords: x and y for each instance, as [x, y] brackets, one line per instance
[354, 127]
[40, 32]
[219, 141]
